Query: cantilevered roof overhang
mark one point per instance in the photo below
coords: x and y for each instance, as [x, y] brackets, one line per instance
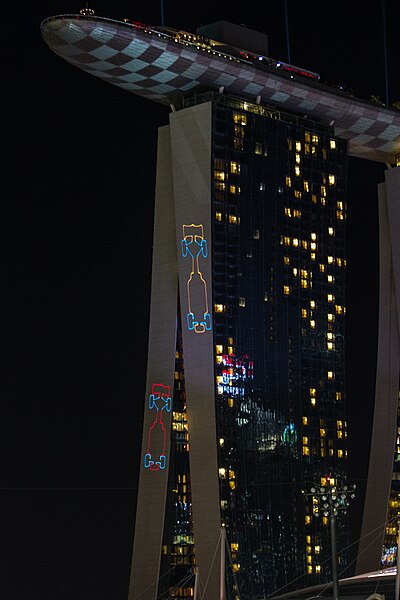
[152, 64]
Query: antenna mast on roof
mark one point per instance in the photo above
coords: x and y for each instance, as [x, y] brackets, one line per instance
[162, 12]
[287, 32]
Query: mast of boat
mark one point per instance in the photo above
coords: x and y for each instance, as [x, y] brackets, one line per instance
[222, 563]
[196, 583]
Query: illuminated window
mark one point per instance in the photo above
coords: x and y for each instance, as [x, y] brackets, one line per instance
[331, 231]
[235, 167]
[236, 567]
[331, 317]
[305, 420]
[304, 283]
[304, 244]
[298, 146]
[295, 271]
[234, 189]
[305, 441]
[297, 194]
[230, 403]
[330, 278]
[221, 442]
[332, 144]
[288, 181]
[307, 519]
[318, 568]
[219, 308]
[331, 375]
[219, 175]
[331, 298]
[233, 219]
[315, 139]
[232, 485]
[313, 245]
[325, 520]
[339, 205]
[339, 309]
[306, 186]
[234, 547]
[218, 216]
[240, 118]
[330, 335]
[323, 191]
[288, 211]
[286, 290]
[309, 569]
[219, 185]
[322, 268]
[322, 432]
[340, 453]
[330, 345]
[238, 143]
[313, 401]
[256, 234]
[331, 260]
[331, 179]
[297, 170]
[312, 324]
[242, 302]
[338, 395]
[295, 242]
[222, 473]
[297, 158]
[306, 451]
[307, 136]
[258, 148]
[312, 303]
[286, 260]
[286, 240]
[314, 198]
[304, 313]
[218, 349]
[239, 131]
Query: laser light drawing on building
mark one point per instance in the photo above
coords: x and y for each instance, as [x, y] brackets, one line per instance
[245, 401]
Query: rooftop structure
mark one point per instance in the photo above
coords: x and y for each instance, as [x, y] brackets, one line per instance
[163, 64]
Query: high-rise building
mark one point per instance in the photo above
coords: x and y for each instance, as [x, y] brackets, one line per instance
[245, 403]
[380, 528]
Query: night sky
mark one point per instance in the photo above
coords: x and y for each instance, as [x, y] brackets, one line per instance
[77, 210]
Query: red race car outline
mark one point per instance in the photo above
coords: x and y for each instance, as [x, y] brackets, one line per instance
[159, 400]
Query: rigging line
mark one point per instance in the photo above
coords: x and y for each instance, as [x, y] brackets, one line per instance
[212, 562]
[179, 584]
[330, 558]
[231, 563]
[61, 489]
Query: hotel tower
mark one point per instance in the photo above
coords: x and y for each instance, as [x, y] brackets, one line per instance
[245, 395]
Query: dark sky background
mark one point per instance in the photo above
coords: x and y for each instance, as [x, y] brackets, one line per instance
[77, 209]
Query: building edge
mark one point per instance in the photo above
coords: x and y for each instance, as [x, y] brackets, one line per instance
[387, 379]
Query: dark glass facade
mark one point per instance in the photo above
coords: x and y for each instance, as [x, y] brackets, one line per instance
[278, 206]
